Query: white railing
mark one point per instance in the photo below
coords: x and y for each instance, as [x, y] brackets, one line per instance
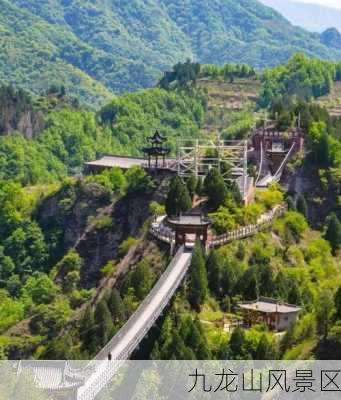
[161, 234]
[103, 369]
[278, 173]
[263, 222]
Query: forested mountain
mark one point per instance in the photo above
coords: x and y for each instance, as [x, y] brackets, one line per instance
[98, 48]
[314, 17]
[76, 259]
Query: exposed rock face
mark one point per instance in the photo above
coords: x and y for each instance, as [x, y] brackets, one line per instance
[17, 113]
[83, 216]
[64, 216]
[102, 245]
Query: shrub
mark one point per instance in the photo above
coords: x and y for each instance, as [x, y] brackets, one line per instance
[126, 245]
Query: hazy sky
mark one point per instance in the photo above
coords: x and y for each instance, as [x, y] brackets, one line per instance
[331, 3]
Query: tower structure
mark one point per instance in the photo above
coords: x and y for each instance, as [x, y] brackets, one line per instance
[157, 150]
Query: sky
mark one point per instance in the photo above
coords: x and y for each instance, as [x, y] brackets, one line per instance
[330, 3]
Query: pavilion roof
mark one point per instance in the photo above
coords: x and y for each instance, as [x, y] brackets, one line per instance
[190, 219]
[157, 138]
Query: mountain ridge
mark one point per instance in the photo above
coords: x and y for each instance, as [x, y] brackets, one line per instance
[313, 17]
[98, 49]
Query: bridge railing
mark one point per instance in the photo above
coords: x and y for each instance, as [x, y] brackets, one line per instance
[278, 173]
[103, 354]
[263, 221]
[107, 370]
[162, 235]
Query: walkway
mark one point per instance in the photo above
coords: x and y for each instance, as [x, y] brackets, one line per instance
[131, 334]
[164, 234]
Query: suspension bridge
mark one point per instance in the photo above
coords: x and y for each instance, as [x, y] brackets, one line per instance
[268, 178]
[94, 377]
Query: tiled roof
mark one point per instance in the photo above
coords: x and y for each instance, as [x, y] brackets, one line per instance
[266, 305]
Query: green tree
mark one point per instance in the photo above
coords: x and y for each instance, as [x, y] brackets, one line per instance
[198, 284]
[14, 285]
[7, 267]
[104, 323]
[27, 248]
[199, 187]
[215, 189]
[301, 206]
[138, 181]
[116, 306]
[249, 284]
[288, 340]
[338, 304]
[191, 184]
[40, 288]
[240, 254]
[333, 233]
[236, 344]
[324, 312]
[294, 295]
[156, 209]
[214, 272]
[87, 331]
[281, 286]
[141, 279]
[226, 304]
[265, 280]
[265, 350]
[178, 198]
[319, 143]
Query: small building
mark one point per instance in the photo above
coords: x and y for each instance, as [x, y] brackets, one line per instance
[188, 228]
[278, 316]
[108, 162]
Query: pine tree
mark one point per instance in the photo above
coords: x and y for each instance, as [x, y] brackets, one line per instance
[214, 273]
[288, 339]
[333, 233]
[226, 304]
[266, 280]
[281, 286]
[294, 295]
[338, 304]
[301, 206]
[88, 331]
[199, 188]
[104, 324]
[236, 344]
[198, 284]
[192, 185]
[215, 189]
[324, 313]
[178, 198]
[264, 349]
[116, 306]
[250, 284]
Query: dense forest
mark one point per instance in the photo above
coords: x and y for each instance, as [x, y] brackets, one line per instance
[75, 256]
[68, 136]
[90, 47]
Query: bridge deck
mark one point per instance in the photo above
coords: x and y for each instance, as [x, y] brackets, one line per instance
[131, 334]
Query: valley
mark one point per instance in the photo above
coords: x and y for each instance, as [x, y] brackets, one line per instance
[76, 253]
